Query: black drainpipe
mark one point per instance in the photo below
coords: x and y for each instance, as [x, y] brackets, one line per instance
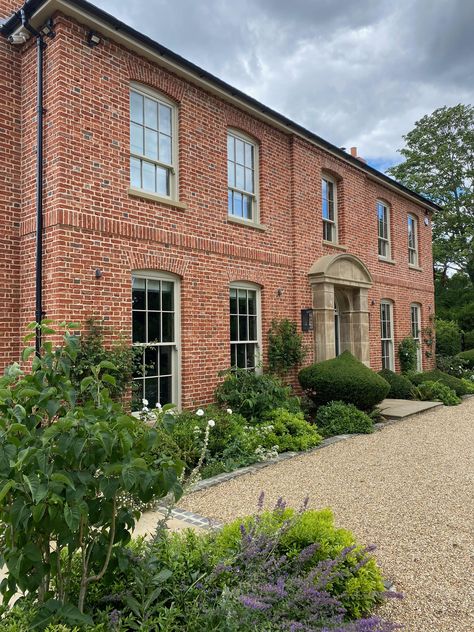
[40, 46]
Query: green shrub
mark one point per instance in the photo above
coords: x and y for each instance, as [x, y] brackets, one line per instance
[465, 317]
[285, 347]
[254, 395]
[437, 392]
[341, 418]
[468, 357]
[400, 385]
[346, 379]
[358, 592]
[290, 432]
[454, 365]
[469, 384]
[407, 352]
[436, 375]
[468, 340]
[448, 338]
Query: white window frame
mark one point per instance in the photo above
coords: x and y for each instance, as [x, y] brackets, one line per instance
[385, 240]
[253, 196]
[334, 222]
[389, 340]
[172, 167]
[155, 275]
[245, 285]
[415, 326]
[413, 256]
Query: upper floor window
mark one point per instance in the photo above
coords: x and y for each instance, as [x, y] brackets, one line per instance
[412, 240]
[152, 143]
[329, 198]
[383, 222]
[244, 326]
[386, 335]
[242, 177]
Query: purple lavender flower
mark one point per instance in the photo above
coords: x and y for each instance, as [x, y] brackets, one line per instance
[114, 618]
[261, 500]
[253, 603]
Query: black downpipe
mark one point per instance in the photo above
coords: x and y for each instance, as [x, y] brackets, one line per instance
[40, 46]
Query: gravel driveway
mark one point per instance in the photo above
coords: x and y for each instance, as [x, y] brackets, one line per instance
[409, 489]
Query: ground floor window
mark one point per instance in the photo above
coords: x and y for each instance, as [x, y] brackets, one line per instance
[386, 334]
[415, 317]
[155, 325]
[244, 326]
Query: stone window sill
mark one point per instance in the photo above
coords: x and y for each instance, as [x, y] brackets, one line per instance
[147, 195]
[417, 268]
[334, 245]
[244, 222]
[385, 260]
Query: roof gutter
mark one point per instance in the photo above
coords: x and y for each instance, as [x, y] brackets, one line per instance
[113, 28]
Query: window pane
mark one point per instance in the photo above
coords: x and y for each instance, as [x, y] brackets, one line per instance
[252, 301]
[151, 113]
[165, 390]
[168, 327]
[148, 175]
[138, 394]
[151, 144]
[237, 210]
[154, 295]
[167, 296]
[138, 334]
[252, 328]
[136, 138]
[136, 107]
[248, 155]
[230, 174]
[251, 348]
[165, 360]
[138, 294]
[135, 173]
[230, 202]
[247, 207]
[151, 361]
[233, 301]
[165, 119]
[233, 328]
[154, 327]
[162, 181]
[230, 147]
[239, 151]
[243, 329]
[239, 177]
[151, 391]
[249, 180]
[325, 209]
[242, 301]
[241, 356]
[165, 148]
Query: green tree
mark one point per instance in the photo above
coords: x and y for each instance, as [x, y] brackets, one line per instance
[439, 164]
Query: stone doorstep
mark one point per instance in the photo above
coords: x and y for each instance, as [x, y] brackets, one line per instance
[395, 409]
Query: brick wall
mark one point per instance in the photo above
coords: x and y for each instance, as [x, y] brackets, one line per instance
[92, 222]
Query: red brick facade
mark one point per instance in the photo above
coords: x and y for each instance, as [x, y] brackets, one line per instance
[91, 220]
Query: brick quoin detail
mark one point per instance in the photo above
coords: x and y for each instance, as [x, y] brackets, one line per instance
[91, 221]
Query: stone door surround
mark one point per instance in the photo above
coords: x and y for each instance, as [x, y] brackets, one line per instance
[345, 278]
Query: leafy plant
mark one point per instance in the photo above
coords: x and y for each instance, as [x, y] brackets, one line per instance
[343, 378]
[64, 467]
[400, 385]
[437, 391]
[92, 351]
[448, 338]
[468, 340]
[454, 365]
[341, 418]
[285, 347]
[467, 357]
[407, 351]
[253, 395]
[438, 376]
[290, 431]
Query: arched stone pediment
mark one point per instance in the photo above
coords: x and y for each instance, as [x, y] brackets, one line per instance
[340, 269]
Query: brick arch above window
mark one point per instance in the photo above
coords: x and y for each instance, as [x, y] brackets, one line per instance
[331, 173]
[157, 79]
[241, 123]
[158, 262]
[243, 275]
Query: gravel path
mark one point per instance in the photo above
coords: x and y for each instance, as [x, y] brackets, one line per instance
[408, 489]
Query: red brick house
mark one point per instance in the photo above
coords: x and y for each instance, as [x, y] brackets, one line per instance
[187, 214]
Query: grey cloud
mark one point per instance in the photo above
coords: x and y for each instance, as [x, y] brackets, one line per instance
[357, 73]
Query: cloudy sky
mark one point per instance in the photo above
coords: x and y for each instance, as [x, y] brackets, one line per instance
[356, 72]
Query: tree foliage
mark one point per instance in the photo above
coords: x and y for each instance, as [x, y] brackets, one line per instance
[439, 164]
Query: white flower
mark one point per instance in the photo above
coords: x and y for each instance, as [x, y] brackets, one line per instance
[199, 412]
[158, 405]
[229, 411]
[211, 423]
[145, 402]
[145, 409]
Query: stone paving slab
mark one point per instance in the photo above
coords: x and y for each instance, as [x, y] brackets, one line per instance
[400, 408]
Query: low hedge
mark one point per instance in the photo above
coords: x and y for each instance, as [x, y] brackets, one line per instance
[400, 385]
[468, 356]
[343, 379]
[436, 375]
[340, 418]
[438, 392]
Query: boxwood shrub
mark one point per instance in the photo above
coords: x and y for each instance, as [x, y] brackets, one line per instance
[400, 385]
[438, 376]
[438, 392]
[346, 379]
[468, 356]
[341, 418]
